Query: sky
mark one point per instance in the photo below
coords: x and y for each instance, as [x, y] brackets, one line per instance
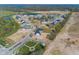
[41, 5]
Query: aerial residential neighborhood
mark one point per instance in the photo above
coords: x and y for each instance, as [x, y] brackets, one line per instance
[32, 31]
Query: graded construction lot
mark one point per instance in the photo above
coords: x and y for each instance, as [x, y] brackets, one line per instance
[52, 12]
[67, 41]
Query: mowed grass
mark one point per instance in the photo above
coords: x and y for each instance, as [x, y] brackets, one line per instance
[8, 26]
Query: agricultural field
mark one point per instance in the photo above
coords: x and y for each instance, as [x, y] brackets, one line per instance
[8, 13]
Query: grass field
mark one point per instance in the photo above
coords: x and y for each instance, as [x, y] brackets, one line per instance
[37, 48]
[7, 27]
[8, 13]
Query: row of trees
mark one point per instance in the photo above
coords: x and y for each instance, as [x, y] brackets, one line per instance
[56, 28]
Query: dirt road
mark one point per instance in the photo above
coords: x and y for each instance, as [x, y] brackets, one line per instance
[63, 43]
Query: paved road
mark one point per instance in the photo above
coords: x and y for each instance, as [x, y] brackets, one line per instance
[9, 51]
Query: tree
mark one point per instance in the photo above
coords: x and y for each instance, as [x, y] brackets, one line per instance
[51, 36]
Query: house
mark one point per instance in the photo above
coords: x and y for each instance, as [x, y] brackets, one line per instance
[38, 31]
[57, 21]
[26, 26]
[7, 18]
[17, 17]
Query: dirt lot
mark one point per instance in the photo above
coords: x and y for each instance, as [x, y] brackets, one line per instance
[67, 41]
[52, 12]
